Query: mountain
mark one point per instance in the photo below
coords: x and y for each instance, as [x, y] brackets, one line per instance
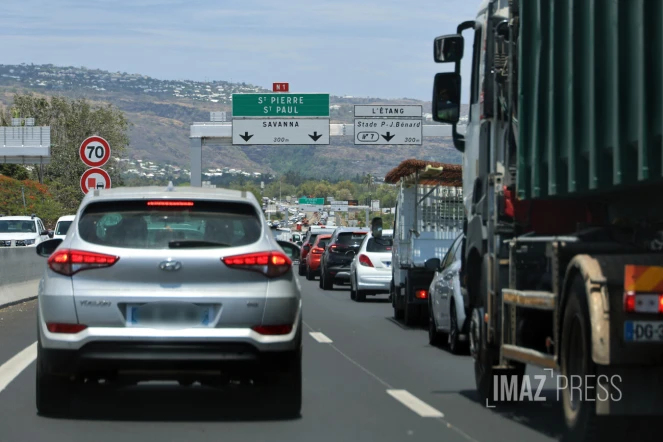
[162, 110]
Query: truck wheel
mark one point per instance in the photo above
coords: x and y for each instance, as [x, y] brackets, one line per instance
[582, 423]
[411, 314]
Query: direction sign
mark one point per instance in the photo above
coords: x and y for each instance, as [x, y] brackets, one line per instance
[338, 207]
[280, 105]
[316, 201]
[388, 131]
[371, 111]
[94, 151]
[93, 179]
[310, 208]
[274, 131]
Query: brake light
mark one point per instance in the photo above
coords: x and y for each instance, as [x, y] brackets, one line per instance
[629, 302]
[365, 261]
[421, 294]
[270, 264]
[271, 330]
[170, 203]
[318, 251]
[69, 262]
[71, 329]
[643, 302]
[333, 248]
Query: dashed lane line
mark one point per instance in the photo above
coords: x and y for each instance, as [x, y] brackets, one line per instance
[391, 389]
[13, 367]
[320, 337]
[414, 403]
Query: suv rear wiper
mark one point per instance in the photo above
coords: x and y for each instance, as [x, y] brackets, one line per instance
[181, 244]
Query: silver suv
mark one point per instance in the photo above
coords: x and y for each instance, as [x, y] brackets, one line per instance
[168, 283]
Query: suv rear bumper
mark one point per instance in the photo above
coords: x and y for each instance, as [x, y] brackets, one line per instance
[150, 359]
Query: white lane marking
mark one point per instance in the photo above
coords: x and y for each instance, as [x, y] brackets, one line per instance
[320, 337]
[414, 403]
[386, 384]
[13, 367]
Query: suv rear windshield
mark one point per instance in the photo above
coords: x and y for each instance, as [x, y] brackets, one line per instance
[381, 245]
[134, 224]
[350, 238]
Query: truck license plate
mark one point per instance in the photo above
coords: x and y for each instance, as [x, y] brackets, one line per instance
[643, 331]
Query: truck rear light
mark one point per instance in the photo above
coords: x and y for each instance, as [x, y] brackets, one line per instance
[643, 302]
[421, 294]
[270, 264]
[272, 330]
[365, 261]
[69, 262]
[71, 329]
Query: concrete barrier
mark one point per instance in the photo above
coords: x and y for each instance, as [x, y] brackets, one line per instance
[20, 271]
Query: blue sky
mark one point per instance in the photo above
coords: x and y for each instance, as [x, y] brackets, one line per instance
[377, 48]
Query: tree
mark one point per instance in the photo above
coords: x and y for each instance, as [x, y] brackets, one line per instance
[16, 171]
[71, 122]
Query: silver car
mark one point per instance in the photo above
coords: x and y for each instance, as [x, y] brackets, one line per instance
[177, 283]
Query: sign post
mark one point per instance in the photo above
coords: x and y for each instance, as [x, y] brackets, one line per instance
[94, 152]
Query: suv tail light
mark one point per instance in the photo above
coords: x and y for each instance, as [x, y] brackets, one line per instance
[69, 262]
[365, 261]
[70, 329]
[318, 251]
[421, 294]
[270, 264]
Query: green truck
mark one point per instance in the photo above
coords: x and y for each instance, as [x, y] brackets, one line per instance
[563, 197]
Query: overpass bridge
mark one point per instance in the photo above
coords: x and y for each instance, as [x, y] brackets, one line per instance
[221, 133]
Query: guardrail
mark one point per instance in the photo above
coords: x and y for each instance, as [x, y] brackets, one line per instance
[20, 265]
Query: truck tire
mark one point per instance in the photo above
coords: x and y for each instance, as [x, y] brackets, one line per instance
[412, 311]
[582, 423]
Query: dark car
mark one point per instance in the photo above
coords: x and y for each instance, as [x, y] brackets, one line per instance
[339, 253]
[308, 243]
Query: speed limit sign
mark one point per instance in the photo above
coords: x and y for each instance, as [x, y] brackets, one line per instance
[94, 151]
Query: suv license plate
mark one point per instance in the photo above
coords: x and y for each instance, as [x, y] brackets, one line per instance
[643, 331]
[169, 315]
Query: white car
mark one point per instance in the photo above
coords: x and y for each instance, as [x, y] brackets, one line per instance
[370, 271]
[62, 226]
[448, 320]
[22, 231]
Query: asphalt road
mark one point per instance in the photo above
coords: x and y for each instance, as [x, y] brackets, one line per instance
[377, 380]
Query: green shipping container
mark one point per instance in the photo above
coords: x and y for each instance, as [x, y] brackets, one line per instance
[590, 96]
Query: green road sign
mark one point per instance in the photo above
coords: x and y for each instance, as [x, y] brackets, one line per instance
[314, 201]
[280, 105]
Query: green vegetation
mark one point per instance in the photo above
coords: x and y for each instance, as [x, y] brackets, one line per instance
[71, 121]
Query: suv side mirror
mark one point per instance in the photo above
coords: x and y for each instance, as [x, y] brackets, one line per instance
[433, 264]
[446, 97]
[47, 248]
